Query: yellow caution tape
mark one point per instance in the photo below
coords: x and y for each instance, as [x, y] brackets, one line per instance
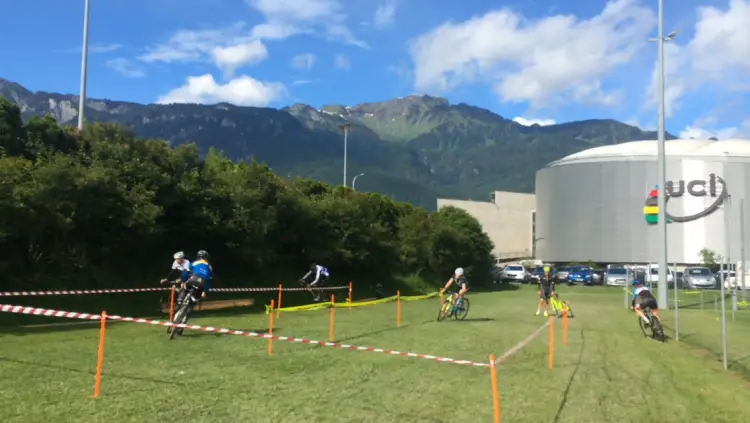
[319, 306]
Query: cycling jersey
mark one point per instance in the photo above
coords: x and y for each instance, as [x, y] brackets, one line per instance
[321, 274]
[642, 298]
[183, 268]
[460, 282]
[203, 270]
[643, 292]
[546, 283]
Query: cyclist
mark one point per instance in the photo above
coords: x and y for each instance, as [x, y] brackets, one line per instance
[546, 290]
[642, 298]
[181, 267]
[202, 273]
[463, 287]
[321, 276]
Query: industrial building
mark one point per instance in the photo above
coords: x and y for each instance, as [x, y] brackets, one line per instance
[597, 205]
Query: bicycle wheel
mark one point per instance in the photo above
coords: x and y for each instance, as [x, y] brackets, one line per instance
[644, 329]
[656, 329]
[445, 309]
[460, 314]
[180, 317]
[570, 310]
[556, 306]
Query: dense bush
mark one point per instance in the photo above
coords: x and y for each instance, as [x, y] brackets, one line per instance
[101, 209]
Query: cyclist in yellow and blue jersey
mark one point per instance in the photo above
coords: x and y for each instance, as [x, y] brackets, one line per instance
[463, 287]
[202, 273]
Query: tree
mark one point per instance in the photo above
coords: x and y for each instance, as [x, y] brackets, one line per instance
[709, 258]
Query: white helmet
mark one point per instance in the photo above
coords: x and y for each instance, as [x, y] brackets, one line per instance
[179, 255]
[460, 271]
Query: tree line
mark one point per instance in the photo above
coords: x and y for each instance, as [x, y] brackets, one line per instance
[100, 208]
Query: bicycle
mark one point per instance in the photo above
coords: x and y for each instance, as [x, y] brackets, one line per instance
[657, 332]
[185, 309]
[448, 309]
[560, 306]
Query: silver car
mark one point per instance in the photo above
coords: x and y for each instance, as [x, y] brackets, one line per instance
[698, 277]
[616, 276]
[562, 274]
[514, 273]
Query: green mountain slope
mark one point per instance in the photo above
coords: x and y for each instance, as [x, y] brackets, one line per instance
[413, 148]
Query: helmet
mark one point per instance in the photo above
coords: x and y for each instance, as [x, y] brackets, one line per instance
[313, 267]
[546, 269]
[202, 254]
[637, 282]
[459, 271]
[179, 255]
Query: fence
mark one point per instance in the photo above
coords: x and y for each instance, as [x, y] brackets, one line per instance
[492, 363]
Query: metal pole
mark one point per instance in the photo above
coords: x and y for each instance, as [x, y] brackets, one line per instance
[742, 248]
[84, 63]
[723, 274]
[625, 289]
[662, 173]
[354, 180]
[346, 143]
[676, 305]
[728, 229]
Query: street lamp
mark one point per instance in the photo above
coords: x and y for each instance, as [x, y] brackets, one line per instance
[661, 165]
[345, 128]
[354, 180]
[84, 63]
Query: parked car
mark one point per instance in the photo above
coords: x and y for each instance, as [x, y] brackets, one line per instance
[730, 278]
[514, 273]
[698, 277]
[596, 276]
[653, 276]
[562, 274]
[617, 276]
[581, 274]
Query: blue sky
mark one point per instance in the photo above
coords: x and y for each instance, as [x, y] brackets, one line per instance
[549, 61]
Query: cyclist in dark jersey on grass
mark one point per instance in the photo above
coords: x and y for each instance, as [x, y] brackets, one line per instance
[642, 298]
[546, 290]
[463, 287]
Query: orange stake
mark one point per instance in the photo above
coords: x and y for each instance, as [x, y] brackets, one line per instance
[171, 305]
[333, 310]
[551, 342]
[100, 357]
[350, 295]
[398, 308]
[495, 394]
[565, 328]
[270, 330]
[278, 304]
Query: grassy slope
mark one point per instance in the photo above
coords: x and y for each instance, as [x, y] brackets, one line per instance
[608, 372]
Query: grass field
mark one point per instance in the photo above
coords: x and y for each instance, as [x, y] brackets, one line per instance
[608, 372]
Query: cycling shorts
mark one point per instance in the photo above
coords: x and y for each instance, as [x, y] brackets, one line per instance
[196, 283]
[643, 302]
[545, 292]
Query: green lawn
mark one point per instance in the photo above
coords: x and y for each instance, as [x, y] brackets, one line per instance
[608, 372]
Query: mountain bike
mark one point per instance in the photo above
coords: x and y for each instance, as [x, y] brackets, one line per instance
[560, 306]
[185, 308]
[657, 332]
[448, 309]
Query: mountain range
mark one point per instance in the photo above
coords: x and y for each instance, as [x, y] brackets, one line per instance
[413, 148]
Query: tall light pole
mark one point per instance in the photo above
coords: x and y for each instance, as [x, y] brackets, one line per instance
[84, 63]
[354, 180]
[346, 127]
[661, 159]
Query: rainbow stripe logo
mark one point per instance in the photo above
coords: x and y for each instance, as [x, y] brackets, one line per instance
[651, 208]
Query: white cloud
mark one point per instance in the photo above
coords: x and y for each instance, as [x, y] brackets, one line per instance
[290, 17]
[302, 82]
[537, 61]
[528, 122]
[241, 91]
[385, 14]
[233, 57]
[104, 48]
[698, 132]
[126, 67]
[717, 55]
[342, 62]
[194, 45]
[303, 61]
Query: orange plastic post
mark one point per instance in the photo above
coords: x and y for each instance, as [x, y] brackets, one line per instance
[278, 304]
[398, 308]
[171, 304]
[270, 331]
[100, 356]
[350, 295]
[333, 310]
[565, 327]
[551, 342]
[495, 394]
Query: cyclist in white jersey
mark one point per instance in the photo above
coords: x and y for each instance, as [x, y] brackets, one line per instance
[321, 275]
[642, 298]
[181, 267]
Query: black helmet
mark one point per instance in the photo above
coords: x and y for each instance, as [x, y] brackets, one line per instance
[202, 254]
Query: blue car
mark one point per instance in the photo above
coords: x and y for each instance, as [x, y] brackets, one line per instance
[580, 274]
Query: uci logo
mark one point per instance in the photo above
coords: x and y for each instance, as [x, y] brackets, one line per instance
[696, 188]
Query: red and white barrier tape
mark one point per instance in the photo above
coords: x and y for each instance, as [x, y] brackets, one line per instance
[122, 291]
[87, 316]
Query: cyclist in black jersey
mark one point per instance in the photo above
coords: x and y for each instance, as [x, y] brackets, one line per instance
[546, 290]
